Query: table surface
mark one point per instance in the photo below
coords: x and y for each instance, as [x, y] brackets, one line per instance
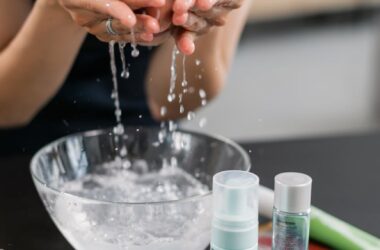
[345, 173]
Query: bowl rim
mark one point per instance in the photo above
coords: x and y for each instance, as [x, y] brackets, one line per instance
[96, 132]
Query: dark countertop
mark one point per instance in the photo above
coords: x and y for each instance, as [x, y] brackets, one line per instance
[345, 170]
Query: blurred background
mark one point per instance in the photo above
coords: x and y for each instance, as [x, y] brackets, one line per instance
[303, 69]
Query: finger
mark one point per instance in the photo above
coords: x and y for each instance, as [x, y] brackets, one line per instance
[145, 24]
[196, 24]
[150, 24]
[179, 19]
[185, 42]
[215, 16]
[142, 38]
[113, 8]
[182, 6]
[162, 16]
[137, 4]
[229, 4]
[205, 4]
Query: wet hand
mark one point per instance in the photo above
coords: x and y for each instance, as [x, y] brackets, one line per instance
[125, 14]
[196, 17]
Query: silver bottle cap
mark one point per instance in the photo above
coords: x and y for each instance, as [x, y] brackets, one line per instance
[292, 192]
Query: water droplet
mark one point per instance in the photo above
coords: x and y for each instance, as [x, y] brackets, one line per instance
[171, 97]
[118, 112]
[202, 93]
[125, 74]
[203, 122]
[123, 151]
[172, 126]
[181, 109]
[163, 111]
[197, 62]
[135, 52]
[190, 115]
[119, 129]
[161, 136]
[184, 83]
[204, 102]
[140, 116]
[199, 76]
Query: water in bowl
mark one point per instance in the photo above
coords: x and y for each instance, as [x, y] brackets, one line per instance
[114, 227]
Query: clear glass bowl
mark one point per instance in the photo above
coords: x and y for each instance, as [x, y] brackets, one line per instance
[141, 190]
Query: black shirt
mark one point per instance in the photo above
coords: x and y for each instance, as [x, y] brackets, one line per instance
[84, 101]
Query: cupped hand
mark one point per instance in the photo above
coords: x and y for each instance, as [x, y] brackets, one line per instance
[196, 17]
[93, 15]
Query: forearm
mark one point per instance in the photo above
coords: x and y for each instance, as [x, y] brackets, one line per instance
[215, 52]
[35, 63]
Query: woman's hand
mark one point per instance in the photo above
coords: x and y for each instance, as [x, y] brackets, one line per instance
[196, 17]
[93, 15]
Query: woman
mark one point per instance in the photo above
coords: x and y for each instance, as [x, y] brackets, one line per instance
[55, 80]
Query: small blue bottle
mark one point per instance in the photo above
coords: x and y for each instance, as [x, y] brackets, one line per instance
[235, 205]
[291, 211]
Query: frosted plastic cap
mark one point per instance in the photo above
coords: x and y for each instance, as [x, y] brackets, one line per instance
[235, 204]
[292, 192]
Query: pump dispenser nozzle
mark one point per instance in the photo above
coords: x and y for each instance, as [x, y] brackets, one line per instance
[235, 220]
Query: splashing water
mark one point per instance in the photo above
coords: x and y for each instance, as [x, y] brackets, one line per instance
[203, 96]
[173, 75]
[116, 227]
[190, 116]
[118, 130]
[135, 52]
[125, 70]
[184, 81]
[115, 91]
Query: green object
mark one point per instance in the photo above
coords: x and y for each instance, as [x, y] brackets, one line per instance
[338, 234]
